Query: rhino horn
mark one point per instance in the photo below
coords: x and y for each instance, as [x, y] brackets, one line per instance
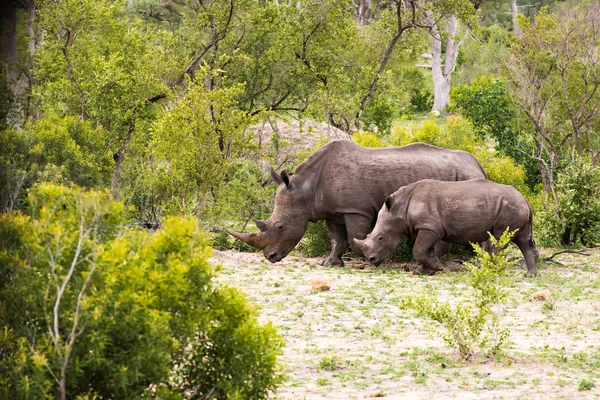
[262, 225]
[248, 238]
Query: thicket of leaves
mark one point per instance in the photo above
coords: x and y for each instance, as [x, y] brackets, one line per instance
[117, 312]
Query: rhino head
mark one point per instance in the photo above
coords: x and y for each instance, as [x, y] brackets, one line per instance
[283, 230]
[386, 234]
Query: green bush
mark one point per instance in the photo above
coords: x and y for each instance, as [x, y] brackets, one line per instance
[366, 139]
[55, 149]
[243, 197]
[316, 241]
[222, 241]
[403, 252]
[578, 202]
[140, 314]
[487, 105]
[465, 323]
[457, 133]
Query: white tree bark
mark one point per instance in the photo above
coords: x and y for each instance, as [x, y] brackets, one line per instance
[362, 12]
[442, 66]
[515, 10]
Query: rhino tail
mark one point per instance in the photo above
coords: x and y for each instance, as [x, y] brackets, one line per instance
[531, 241]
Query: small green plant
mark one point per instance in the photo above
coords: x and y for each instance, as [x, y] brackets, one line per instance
[329, 363]
[466, 322]
[420, 377]
[586, 385]
[322, 382]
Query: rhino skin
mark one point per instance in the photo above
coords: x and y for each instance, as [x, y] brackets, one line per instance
[443, 213]
[345, 184]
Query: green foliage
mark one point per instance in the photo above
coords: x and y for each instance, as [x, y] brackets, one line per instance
[575, 217]
[557, 111]
[487, 105]
[119, 313]
[195, 144]
[457, 133]
[329, 363]
[481, 54]
[466, 321]
[368, 139]
[221, 241]
[54, 149]
[403, 252]
[316, 241]
[244, 196]
[584, 384]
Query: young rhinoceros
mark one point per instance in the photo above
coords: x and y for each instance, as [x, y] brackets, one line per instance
[441, 213]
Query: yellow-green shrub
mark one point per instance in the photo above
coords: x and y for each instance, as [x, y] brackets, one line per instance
[457, 133]
[368, 140]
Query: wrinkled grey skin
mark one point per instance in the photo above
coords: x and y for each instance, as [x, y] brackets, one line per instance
[345, 184]
[442, 213]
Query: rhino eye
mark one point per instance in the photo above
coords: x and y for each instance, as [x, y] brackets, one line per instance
[380, 238]
[280, 227]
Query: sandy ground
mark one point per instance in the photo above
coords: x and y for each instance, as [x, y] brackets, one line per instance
[353, 341]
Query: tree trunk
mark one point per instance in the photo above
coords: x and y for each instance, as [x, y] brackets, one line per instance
[362, 12]
[119, 158]
[33, 37]
[515, 10]
[9, 30]
[443, 67]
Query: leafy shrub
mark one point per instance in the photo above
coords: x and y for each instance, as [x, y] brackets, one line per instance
[403, 252]
[579, 203]
[368, 139]
[465, 322]
[316, 241]
[55, 149]
[458, 134]
[140, 314]
[196, 144]
[221, 241]
[243, 247]
[487, 105]
[243, 197]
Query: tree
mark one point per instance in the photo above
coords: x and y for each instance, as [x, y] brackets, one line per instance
[90, 309]
[554, 76]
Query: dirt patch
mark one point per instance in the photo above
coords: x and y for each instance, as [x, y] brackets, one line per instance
[353, 341]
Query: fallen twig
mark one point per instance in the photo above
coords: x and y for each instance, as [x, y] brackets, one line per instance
[580, 252]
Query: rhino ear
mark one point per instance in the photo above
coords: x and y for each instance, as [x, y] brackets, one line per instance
[276, 177]
[286, 177]
[261, 225]
[389, 202]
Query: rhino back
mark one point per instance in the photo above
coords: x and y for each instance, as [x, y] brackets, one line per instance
[465, 211]
[352, 179]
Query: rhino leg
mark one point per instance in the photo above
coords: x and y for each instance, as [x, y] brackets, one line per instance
[357, 227]
[489, 246]
[424, 252]
[339, 242]
[523, 240]
[442, 248]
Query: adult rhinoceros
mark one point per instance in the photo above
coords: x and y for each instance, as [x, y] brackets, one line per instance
[345, 184]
